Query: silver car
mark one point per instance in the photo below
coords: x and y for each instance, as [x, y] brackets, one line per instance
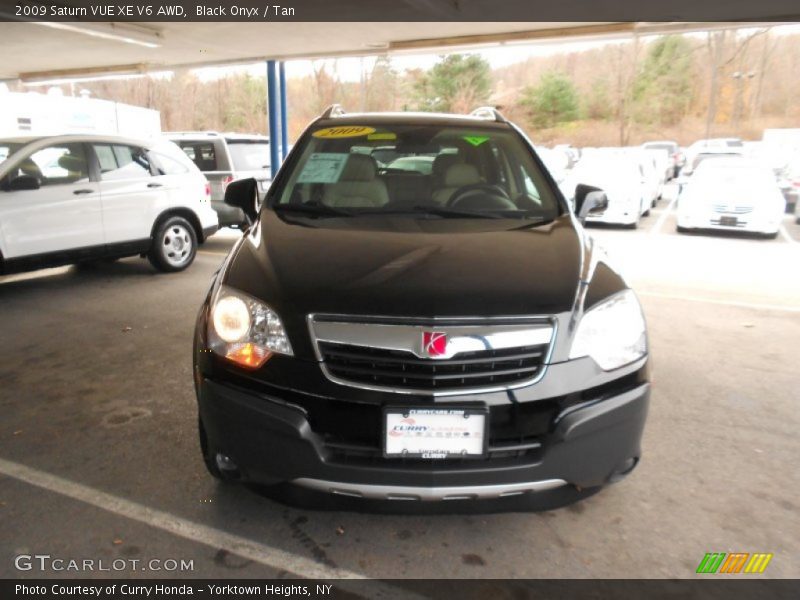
[226, 157]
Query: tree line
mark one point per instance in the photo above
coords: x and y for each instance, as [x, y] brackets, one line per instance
[679, 87]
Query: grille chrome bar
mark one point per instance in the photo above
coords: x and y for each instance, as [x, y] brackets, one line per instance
[733, 210]
[480, 355]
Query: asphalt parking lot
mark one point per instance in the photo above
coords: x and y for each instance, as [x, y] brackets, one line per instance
[99, 454]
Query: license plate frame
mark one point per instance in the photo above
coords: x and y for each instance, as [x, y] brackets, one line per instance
[446, 415]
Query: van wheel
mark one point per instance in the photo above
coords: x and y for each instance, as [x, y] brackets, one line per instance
[174, 245]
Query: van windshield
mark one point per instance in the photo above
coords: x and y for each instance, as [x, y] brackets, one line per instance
[414, 170]
[249, 156]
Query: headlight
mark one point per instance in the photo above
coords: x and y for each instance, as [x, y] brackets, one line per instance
[613, 333]
[245, 330]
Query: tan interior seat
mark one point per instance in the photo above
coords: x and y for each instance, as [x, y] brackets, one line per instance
[75, 165]
[358, 185]
[456, 176]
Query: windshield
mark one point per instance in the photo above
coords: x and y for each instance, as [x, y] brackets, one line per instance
[733, 178]
[249, 156]
[8, 148]
[416, 170]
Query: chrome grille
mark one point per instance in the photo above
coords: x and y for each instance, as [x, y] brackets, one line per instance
[393, 357]
[731, 210]
[392, 368]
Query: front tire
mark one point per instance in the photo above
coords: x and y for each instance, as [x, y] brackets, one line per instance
[174, 245]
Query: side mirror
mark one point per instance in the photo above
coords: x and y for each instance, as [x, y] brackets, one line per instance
[582, 191]
[243, 194]
[592, 200]
[22, 183]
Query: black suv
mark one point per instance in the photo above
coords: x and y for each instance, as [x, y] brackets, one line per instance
[442, 333]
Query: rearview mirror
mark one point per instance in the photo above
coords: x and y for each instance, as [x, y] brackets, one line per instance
[243, 194]
[22, 183]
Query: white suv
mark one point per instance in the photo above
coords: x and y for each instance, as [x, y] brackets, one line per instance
[71, 198]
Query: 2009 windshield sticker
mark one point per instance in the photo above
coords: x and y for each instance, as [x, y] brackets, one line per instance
[475, 140]
[323, 167]
[344, 131]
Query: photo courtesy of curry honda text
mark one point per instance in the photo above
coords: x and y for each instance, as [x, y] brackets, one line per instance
[440, 331]
[79, 198]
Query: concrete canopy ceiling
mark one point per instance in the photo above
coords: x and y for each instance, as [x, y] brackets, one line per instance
[39, 51]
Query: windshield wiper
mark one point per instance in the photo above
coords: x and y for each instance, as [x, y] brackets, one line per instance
[316, 210]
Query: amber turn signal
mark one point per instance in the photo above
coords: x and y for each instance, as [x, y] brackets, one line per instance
[248, 355]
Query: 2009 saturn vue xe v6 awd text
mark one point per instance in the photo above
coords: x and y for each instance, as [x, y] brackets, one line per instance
[444, 330]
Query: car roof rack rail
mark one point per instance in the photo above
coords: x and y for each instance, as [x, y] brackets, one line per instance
[334, 110]
[489, 113]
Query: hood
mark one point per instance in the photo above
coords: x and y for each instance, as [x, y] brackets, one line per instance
[406, 267]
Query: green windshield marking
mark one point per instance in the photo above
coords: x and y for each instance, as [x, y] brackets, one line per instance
[475, 140]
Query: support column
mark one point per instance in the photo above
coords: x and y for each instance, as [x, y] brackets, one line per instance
[273, 109]
[284, 111]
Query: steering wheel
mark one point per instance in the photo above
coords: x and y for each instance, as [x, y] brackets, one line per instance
[479, 196]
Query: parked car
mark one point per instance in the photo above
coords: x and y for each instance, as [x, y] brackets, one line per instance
[714, 145]
[557, 162]
[789, 182]
[466, 341]
[621, 175]
[571, 154]
[226, 157]
[708, 154]
[654, 166]
[733, 194]
[72, 198]
[676, 155]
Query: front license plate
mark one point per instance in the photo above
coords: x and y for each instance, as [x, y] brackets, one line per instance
[729, 221]
[435, 432]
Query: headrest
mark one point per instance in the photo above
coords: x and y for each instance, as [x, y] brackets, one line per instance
[73, 164]
[461, 174]
[29, 167]
[441, 163]
[359, 167]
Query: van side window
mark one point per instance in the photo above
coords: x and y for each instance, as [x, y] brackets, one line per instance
[202, 154]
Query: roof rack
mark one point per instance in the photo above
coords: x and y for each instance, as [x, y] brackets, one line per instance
[334, 110]
[489, 113]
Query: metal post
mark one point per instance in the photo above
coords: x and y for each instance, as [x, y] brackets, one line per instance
[284, 112]
[272, 108]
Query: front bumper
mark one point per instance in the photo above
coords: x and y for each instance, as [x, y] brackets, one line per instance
[271, 440]
[617, 213]
[748, 223]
